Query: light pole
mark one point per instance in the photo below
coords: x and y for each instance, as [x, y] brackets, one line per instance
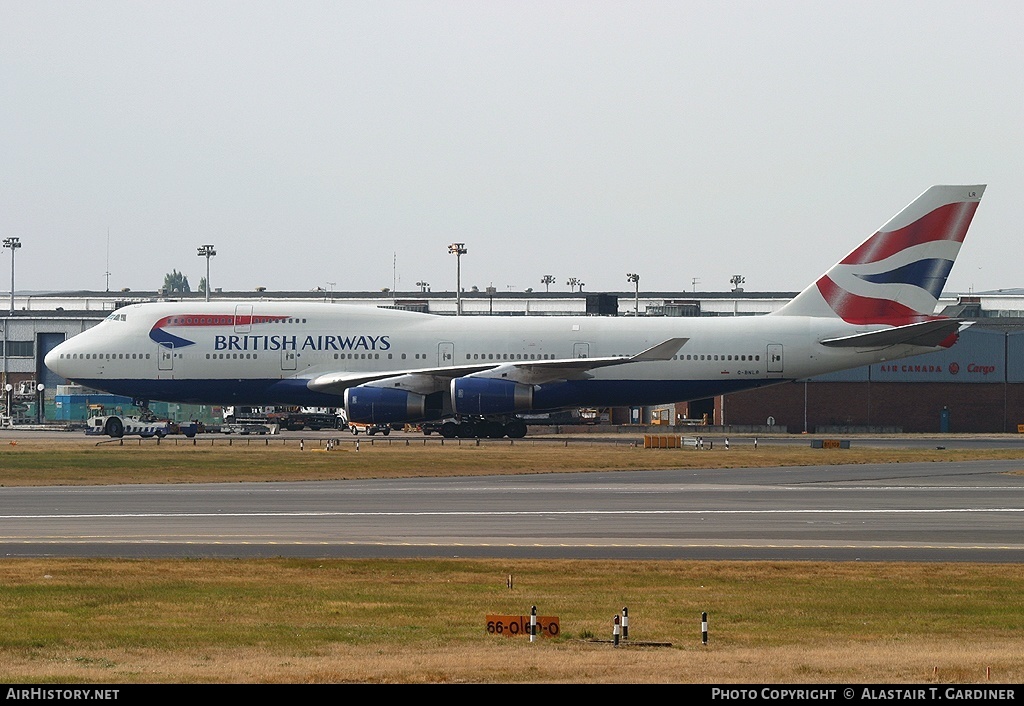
[635, 279]
[547, 281]
[458, 250]
[39, 403]
[13, 244]
[206, 251]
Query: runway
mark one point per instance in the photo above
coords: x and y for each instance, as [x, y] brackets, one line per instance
[964, 512]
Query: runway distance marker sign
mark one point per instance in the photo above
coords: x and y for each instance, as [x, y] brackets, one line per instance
[513, 625]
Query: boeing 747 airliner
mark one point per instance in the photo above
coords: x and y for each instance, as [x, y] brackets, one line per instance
[388, 366]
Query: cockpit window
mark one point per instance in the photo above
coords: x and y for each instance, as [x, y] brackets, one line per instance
[117, 317]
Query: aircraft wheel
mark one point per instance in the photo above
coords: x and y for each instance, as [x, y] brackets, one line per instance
[114, 428]
[465, 430]
[495, 430]
[387, 430]
[449, 430]
[515, 430]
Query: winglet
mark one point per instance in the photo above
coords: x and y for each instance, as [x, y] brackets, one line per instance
[663, 351]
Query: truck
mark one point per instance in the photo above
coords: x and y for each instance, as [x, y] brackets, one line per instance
[144, 424]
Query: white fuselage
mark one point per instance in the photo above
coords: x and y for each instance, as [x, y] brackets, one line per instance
[268, 352]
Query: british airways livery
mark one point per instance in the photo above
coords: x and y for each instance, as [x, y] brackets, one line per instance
[389, 366]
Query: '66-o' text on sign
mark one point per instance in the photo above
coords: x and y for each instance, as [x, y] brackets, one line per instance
[547, 625]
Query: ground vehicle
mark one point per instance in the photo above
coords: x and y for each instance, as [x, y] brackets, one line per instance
[144, 425]
[370, 429]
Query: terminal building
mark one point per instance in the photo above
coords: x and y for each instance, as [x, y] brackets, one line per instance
[975, 386]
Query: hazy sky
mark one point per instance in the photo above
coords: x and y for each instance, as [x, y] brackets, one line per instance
[351, 142]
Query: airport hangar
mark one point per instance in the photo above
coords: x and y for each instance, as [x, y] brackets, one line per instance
[977, 386]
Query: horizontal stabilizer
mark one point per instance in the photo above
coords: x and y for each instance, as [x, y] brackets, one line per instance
[930, 334]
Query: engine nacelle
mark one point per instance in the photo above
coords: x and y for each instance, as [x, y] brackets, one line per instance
[383, 405]
[489, 396]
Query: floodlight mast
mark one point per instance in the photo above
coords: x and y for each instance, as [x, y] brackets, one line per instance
[635, 279]
[12, 243]
[458, 250]
[206, 251]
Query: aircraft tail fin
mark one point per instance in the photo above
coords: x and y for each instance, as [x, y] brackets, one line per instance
[895, 277]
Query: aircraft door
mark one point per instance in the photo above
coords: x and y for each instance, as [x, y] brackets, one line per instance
[243, 318]
[445, 354]
[165, 356]
[774, 355]
[581, 350]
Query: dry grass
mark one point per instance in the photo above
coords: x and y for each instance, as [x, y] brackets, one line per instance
[494, 661]
[422, 621]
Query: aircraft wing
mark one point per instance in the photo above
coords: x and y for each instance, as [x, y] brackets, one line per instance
[427, 380]
[536, 372]
[423, 380]
[924, 333]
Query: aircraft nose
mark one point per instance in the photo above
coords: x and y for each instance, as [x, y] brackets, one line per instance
[54, 362]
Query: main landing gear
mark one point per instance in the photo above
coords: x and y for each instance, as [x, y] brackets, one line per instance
[479, 429]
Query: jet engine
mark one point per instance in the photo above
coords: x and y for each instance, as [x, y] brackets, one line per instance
[489, 396]
[383, 405]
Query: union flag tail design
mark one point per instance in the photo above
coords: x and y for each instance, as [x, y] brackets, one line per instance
[895, 277]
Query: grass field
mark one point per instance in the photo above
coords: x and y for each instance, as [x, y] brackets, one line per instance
[82, 461]
[424, 621]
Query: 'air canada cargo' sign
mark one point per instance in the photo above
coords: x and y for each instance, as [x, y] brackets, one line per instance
[979, 356]
[953, 371]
